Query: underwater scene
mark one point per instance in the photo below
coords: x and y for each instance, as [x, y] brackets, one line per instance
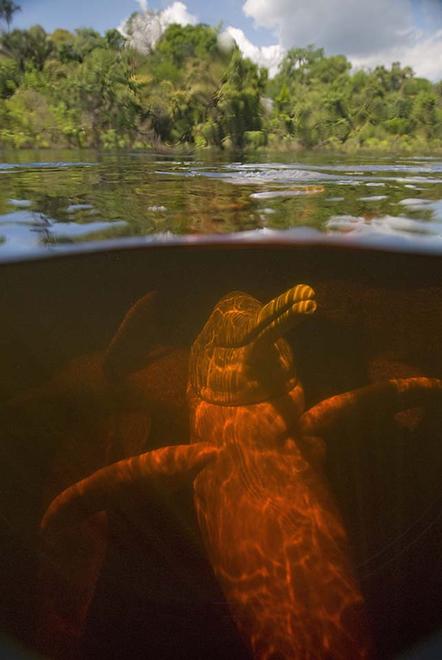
[226, 449]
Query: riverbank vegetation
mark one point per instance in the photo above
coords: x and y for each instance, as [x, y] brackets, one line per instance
[84, 89]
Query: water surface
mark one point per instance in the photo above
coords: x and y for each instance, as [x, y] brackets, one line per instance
[66, 201]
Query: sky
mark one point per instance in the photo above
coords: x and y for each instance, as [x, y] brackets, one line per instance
[367, 32]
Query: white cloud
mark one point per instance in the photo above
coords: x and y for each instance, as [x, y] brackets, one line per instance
[424, 56]
[369, 33]
[353, 26]
[145, 28]
[177, 13]
[268, 56]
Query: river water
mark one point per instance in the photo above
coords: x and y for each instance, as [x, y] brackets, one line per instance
[141, 249]
[59, 201]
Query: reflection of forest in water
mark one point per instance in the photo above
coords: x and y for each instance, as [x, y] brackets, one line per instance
[61, 203]
[379, 316]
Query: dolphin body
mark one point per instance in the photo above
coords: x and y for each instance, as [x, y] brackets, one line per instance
[271, 529]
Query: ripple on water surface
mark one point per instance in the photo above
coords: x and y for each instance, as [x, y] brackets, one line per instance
[107, 201]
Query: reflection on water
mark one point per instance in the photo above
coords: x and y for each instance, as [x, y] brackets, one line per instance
[58, 204]
[309, 522]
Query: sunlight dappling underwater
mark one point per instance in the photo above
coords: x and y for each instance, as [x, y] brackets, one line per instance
[221, 451]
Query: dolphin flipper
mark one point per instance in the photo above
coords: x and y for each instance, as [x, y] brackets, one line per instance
[168, 465]
[388, 397]
[75, 533]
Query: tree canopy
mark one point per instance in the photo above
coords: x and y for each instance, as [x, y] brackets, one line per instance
[7, 10]
[86, 89]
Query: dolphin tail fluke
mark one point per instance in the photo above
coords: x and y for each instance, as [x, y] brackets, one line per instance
[379, 399]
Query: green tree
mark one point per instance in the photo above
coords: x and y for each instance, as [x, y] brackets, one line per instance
[9, 77]
[74, 47]
[7, 10]
[114, 39]
[424, 112]
[104, 91]
[82, 88]
[179, 43]
[31, 120]
[27, 47]
[239, 108]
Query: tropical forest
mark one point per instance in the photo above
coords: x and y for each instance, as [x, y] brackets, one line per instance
[193, 91]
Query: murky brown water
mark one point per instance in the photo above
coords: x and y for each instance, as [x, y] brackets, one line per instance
[379, 316]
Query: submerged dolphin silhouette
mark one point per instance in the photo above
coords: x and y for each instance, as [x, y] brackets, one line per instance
[272, 532]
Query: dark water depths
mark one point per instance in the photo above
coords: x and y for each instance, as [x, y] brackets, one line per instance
[379, 317]
[62, 201]
[196, 230]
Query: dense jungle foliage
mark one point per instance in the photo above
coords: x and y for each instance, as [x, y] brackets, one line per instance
[84, 89]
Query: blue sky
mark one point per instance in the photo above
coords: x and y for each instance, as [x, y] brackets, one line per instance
[105, 14]
[369, 32]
